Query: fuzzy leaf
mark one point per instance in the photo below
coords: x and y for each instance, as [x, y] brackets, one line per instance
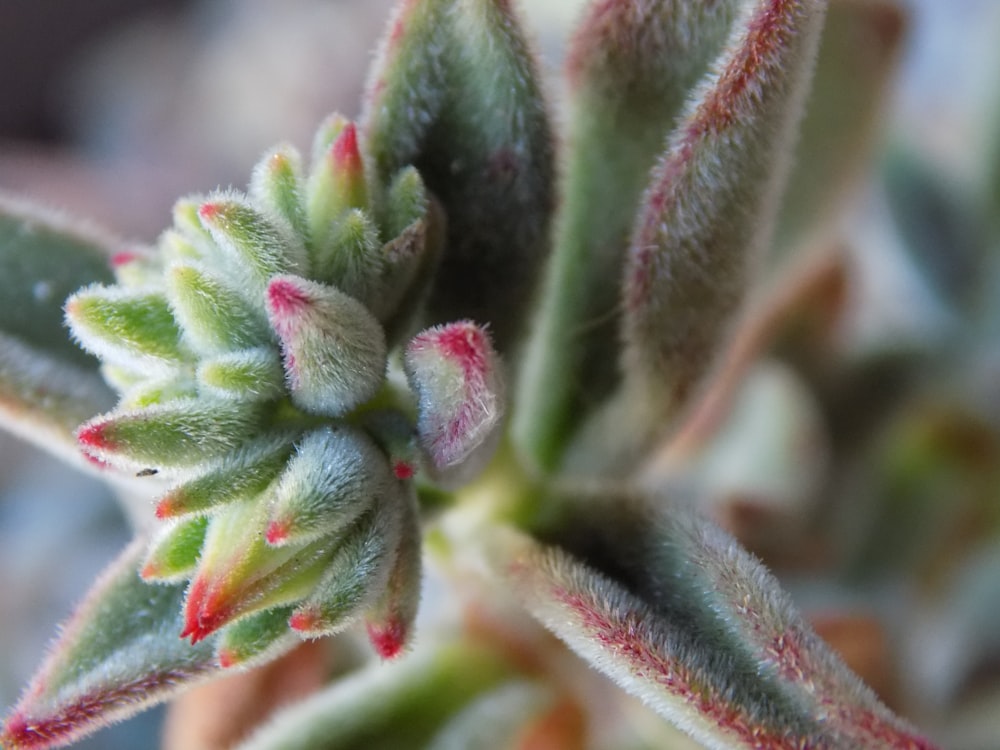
[858, 52]
[255, 639]
[166, 436]
[337, 184]
[455, 93]
[240, 574]
[257, 246]
[358, 572]
[214, 315]
[710, 206]
[43, 259]
[499, 719]
[380, 708]
[47, 384]
[336, 474]
[631, 68]
[119, 653]
[456, 376]
[390, 618]
[174, 552]
[244, 473]
[334, 350]
[132, 329]
[248, 375]
[674, 610]
[276, 186]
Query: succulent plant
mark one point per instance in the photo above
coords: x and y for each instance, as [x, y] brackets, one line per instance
[533, 376]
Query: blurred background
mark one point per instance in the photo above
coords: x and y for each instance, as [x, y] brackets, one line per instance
[111, 109]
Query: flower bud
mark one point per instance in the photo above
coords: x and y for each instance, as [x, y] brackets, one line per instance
[239, 573]
[337, 184]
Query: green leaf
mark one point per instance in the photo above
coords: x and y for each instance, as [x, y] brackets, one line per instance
[48, 385]
[387, 707]
[118, 654]
[455, 93]
[631, 67]
[708, 210]
[674, 610]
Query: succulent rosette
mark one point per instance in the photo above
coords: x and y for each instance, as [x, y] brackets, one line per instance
[251, 353]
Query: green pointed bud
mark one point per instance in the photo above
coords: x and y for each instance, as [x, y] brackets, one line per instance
[406, 201]
[135, 329]
[353, 260]
[334, 350]
[337, 184]
[137, 267]
[239, 573]
[335, 476]
[389, 620]
[214, 315]
[189, 234]
[242, 474]
[327, 132]
[168, 436]
[173, 554]
[255, 639]
[276, 186]
[455, 374]
[256, 247]
[358, 572]
[247, 375]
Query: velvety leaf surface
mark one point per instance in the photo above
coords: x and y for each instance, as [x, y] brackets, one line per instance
[47, 385]
[683, 617]
[455, 93]
[631, 68]
[710, 206]
[119, 653]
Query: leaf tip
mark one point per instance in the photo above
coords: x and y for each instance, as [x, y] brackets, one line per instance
[277, 533]
[388, 638]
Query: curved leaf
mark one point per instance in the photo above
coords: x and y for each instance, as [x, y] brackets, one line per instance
[677, 613]
[47, 384]
[118, 654]
[710, 207]
[631, 68]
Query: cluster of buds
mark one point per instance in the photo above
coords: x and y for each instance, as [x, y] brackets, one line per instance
[251, 351]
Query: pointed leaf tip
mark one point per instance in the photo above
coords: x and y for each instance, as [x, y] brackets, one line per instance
[388, 639]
